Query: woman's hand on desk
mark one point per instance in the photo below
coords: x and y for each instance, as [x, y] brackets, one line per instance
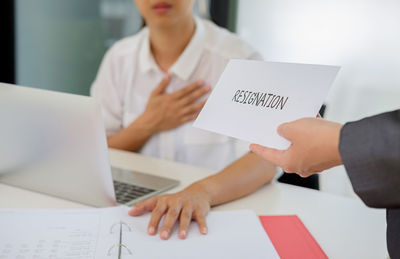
[240, 178]
[191, 203]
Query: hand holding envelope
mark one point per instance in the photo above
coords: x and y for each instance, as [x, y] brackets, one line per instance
[252, 98]
[306, 155]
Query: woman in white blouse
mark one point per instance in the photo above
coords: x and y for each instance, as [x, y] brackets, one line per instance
[151, 85]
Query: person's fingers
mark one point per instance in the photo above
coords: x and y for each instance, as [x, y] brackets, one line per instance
[186, 90]
[272, 155]
[161, 86]
[306, 172]
[303, 174]
[201, 221]
[193, 96]
[185, 219]
[143, 206]
[193, 108]
[190, 117]
[292, 130]
[156, 216]
[170, 219]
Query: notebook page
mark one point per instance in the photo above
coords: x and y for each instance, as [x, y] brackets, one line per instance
[231, 234]
[67, 234]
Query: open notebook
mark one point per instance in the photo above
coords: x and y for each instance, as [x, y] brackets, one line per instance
[111, 233]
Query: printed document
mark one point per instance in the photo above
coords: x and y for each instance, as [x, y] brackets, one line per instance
[112, 233]
[252, 98]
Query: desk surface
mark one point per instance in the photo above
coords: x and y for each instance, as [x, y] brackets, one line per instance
[344, 227]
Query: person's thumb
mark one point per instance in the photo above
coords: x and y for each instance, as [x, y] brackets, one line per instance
[283, 130]
[290, 130]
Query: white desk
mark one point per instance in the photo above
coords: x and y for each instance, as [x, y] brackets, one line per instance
[344, 227]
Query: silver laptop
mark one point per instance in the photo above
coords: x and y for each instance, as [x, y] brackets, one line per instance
[55, 143]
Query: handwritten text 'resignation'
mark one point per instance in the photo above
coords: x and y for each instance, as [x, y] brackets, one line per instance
[266, 100]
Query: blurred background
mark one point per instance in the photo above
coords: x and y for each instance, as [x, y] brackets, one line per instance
[59, 44]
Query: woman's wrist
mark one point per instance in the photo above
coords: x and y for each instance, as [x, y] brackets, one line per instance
[146, 124]
[204, 189]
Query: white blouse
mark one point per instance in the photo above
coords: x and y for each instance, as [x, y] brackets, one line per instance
[129, 73]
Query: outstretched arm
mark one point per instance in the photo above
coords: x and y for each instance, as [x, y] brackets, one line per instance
[368, 148]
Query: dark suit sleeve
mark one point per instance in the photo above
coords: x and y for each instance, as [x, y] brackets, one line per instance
[370, 151]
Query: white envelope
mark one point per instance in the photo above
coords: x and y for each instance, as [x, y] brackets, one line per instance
[252, 98]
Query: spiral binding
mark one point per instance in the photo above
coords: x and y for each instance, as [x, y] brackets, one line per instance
[119, 245]
[121, 223]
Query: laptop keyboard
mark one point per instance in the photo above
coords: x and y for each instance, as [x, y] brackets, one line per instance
[128, 192]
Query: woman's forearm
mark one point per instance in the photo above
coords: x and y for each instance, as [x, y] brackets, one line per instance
[240, 178]
[133, 137]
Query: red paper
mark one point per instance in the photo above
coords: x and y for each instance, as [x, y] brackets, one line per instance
[291, 238]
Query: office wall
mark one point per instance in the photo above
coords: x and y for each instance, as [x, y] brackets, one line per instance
[362, 36]
[60, 43]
